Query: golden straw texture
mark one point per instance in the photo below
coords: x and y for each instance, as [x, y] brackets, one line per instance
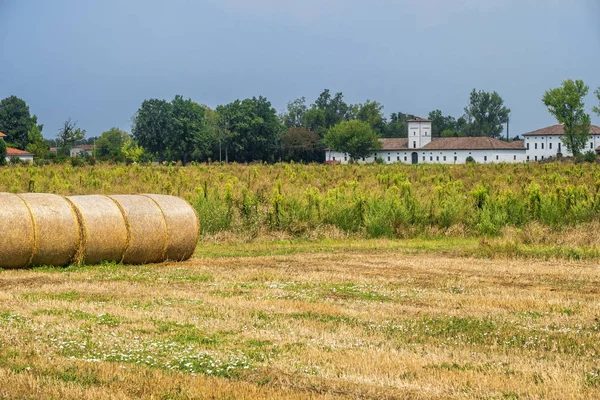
[56, 229]
[182, 226]
[147, 241]
[16, 232]
[103, 229]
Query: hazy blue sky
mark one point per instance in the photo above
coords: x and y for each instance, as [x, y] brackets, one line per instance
[96, 61]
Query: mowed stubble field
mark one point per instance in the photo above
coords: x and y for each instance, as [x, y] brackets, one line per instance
[350, 319]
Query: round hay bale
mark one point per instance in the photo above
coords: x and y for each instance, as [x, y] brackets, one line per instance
[17, 235]
[182, 226]
[147, 229]
[104, 234]
[56, 229]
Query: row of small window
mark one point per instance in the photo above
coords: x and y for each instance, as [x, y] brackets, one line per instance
[536, 158]
[550, 146]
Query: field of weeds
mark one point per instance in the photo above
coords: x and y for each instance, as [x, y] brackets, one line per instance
[372, 201]
[374, 319]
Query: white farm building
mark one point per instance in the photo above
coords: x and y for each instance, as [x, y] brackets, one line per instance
[420, 147]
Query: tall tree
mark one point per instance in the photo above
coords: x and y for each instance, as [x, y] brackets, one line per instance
[397, 126]
[68, 135]
[486, 113]
[371, 112]
[566, 104]
[110, 143]
[2, 152]
[597, 108]
[354, 137]
[151, 125]
[253, 130]
[190, 136]
[37, 145]
[16, 121]
[334, 108]
[441, 123]
[300, 144]
[294, 117]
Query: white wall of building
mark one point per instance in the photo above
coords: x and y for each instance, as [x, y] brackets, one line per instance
[545, 146]
[434, 156]
[24, 158]
[419, 134]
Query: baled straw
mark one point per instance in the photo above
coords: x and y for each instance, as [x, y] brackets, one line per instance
[104, 234]
[182, 226]
[56, 229]
[16, 232]
[147, 241]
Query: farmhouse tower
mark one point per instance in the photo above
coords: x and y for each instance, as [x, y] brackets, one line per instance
[419, 133]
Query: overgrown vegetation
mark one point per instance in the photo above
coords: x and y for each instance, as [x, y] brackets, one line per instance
[394, 201]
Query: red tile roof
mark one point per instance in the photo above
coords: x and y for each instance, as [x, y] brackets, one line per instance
[394, 143]
[558, 130]
[84, 146]
[2, 134]
[454, 143]
[16, 152]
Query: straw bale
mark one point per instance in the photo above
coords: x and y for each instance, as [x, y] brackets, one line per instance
[56, 229]
[182, 226]
[16, 232]
[104, 233]
[147, 229]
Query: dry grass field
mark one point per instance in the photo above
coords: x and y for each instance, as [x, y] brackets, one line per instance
[372, 319]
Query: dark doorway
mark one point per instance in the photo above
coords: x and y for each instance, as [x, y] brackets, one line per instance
[415, 157]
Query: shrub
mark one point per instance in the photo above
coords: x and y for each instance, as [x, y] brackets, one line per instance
[590, 156]
[470, 160]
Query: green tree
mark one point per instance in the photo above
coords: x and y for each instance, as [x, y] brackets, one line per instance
[110, 143]
[294, 117]
[566, 104]
[486, 114]
[190, 137]
[37, 145]
[2, 152]
[132, 152]
[253, 130]
[354, 137]
[326, 112]
[16, 121]
[597, 108]
[371, 112]
[68, 135]
[397, 126]
[300, 144]
[441, 123]
[151, 125]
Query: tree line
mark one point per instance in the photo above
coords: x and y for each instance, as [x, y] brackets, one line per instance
[182, 130]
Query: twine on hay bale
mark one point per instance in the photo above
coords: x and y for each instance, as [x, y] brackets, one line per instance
[103, 230]
[56, 229]
[147, 239]
[183, 226]
[16, 232]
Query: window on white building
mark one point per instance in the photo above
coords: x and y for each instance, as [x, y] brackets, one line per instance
[542, 146]
[484, 158]
[496, 157]
[437, 158]
[397, 158]
[515, 158]
[345, 158]
[404, 158]
[535, 158]
[444, 158]
[527, 146]
[430, 158]
[414, 145]
[591, 145]
[423, 158]
[535, 146]
[550, 145]
[333, 158]
[559, 147]
[455, 158]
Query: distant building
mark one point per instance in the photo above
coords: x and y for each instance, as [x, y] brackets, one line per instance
[12, 153]
[546, 142]
[420, 147]
[82, 150]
